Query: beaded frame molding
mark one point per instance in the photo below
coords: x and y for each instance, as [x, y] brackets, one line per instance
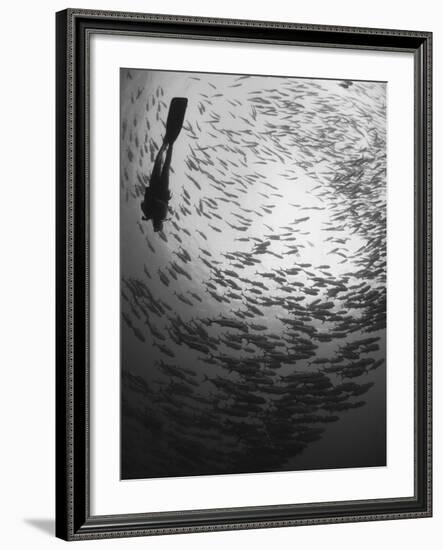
[74, 28]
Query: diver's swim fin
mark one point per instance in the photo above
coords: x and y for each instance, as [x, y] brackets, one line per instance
[176, 115]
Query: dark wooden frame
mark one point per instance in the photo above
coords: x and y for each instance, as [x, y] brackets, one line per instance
[73, 518]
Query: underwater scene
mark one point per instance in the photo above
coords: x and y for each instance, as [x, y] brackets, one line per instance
[253, 273]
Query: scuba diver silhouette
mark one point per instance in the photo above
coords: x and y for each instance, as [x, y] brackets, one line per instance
[157, 194]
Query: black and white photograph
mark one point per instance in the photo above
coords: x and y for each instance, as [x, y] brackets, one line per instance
[243, 282]
[252, 273]
[218, 278]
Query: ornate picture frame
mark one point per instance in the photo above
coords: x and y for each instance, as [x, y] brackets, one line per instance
[75, 519]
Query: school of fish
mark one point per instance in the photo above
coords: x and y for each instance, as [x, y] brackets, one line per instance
[256, 319]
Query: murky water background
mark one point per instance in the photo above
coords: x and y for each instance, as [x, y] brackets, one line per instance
[253, 326]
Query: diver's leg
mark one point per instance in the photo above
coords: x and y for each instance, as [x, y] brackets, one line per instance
[158, 163]
[165, 170]
[174, 123]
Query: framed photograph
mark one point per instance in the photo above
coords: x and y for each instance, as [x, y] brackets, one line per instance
[243, 274]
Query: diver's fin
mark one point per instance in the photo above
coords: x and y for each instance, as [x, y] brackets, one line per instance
[176, 115]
